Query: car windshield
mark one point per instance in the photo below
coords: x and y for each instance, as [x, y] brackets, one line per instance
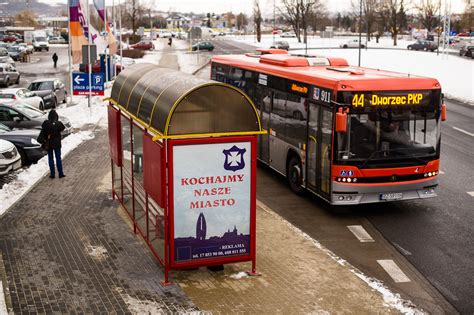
[385, 136]
[29, 111]
[13, 49]
[40, 86]
[3, 52]
[40, 39]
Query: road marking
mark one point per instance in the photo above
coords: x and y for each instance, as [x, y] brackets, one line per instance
[471, 193]
[441, 172]
[393, 270]
[360, 233]
[463, 131]
[3, 304]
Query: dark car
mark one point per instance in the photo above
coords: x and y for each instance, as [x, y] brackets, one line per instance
[203, 46]
[25, 142]
[467, 50]
[280, 45]
[143, 45]
[53, 91]
[18, 115]
[16, 53]
[423, 45]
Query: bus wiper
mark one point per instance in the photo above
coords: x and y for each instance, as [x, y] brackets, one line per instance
[392, 150]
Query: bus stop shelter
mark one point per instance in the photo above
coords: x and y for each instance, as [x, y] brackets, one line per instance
[183, 156]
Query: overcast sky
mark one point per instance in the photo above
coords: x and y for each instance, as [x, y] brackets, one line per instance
[220, 6]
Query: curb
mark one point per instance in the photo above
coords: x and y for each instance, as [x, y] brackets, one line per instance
[201, 67]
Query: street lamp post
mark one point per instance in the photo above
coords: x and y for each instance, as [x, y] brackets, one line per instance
[360, 27]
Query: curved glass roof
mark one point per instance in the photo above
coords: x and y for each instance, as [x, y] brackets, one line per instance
[174, 103]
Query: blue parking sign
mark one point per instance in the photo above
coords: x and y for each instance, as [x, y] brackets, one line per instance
[81, 85]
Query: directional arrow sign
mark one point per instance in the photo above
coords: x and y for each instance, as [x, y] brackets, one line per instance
[81, 83]
[78, 79]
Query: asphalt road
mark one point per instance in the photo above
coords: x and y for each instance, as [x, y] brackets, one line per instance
[41, 66]
[435, 235]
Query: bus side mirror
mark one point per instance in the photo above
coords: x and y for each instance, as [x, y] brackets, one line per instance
[341, 121]
[443, 112]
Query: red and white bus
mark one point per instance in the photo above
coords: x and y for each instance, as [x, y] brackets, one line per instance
[348, 134]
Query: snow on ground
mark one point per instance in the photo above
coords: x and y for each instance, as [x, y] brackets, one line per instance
[456, 74]
[153, 56]
[80, 116]
[189, 61]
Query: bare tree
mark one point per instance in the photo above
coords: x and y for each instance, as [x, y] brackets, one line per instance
[370, 11]
[257, 19]
[428, 12]
[299, 13]
[132, 13]
[393, 13]
[26, 18]
[291, 13]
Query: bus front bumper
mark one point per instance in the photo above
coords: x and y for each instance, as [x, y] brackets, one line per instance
[349, 194]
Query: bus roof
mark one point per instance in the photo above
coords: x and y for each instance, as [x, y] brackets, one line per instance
[332, 73]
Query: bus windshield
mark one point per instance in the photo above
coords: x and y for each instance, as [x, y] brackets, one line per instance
[384, 137]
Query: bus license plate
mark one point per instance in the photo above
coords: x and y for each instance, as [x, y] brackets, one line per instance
[391, 196]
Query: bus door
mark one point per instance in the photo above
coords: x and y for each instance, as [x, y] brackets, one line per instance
[265, 100]
[319, 149]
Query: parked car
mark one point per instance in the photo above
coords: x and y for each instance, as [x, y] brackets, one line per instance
[280, 45]
[29, 149]
[8, 38]
[40, 43]
[16, 53]
[423, 45]
[53, 91]
[352, 43]
[8, 74]
[203, 46]
[164, 34]
[467, 50]
[17, 115]
[23, 95]
[10, 160]
[287, 35]
[57, 40]
[5, 57]
[143, 45]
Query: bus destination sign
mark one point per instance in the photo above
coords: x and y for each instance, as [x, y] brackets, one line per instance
[379, 99]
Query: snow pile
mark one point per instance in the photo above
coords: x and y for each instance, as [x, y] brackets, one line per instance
[239, 275]
[80, 116]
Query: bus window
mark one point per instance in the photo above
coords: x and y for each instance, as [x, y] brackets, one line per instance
[296, 115]
[278, 113]
[219, 72]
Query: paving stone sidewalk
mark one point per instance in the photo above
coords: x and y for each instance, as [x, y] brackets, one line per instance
[66, 249]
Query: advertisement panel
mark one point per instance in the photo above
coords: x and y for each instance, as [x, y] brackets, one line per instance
[212, 201]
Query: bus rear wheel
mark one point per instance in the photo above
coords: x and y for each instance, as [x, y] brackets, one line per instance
[295, 175]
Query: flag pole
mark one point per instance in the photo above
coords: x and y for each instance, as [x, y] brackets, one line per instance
[114, 22]
[106, 59]
[89, 56]
[69, 47]
[120, 28]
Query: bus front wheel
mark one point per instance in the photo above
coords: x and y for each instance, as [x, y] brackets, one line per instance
[294, 175]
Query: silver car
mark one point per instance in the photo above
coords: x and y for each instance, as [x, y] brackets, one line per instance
[8, 74]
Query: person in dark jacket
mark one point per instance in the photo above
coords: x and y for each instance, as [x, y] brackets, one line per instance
[51, 130]
[55, 59]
